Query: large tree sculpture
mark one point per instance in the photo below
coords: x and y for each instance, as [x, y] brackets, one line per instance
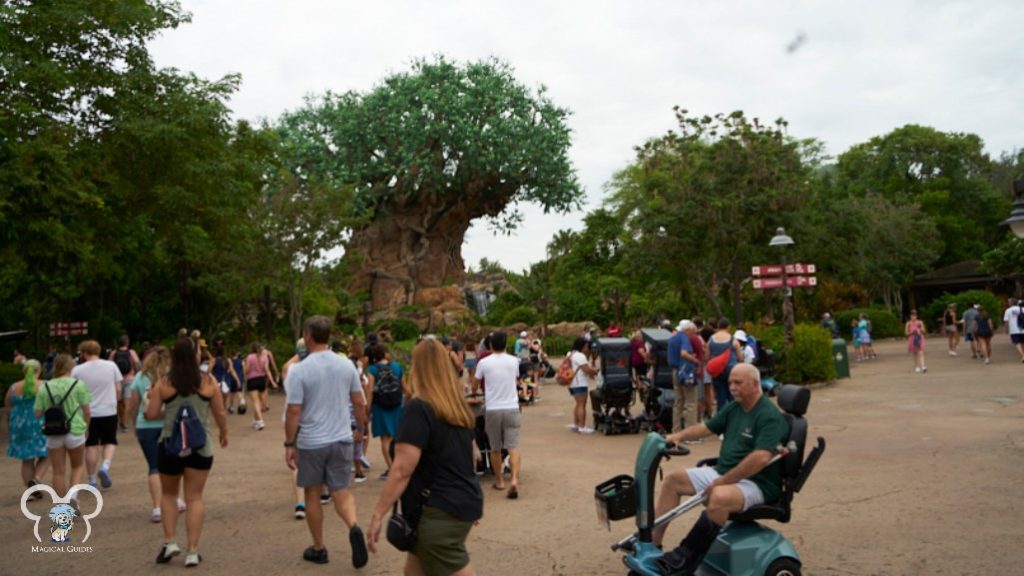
[429, 151]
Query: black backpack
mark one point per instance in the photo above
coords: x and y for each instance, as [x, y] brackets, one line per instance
[123, 359]
[187, 433]
[1020, 317]
[55, 421]
[387, 388]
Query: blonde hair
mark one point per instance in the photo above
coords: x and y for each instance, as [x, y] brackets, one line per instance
[432, 378]
[62, 365]
[156, 364]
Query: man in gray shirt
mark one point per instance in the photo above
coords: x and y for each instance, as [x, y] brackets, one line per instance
[969, 321]
[320, 392]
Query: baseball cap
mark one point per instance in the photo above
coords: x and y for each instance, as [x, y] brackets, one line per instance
[976, 306]
[681, 326]
[740, 335]
[522, 334]
[667, 324]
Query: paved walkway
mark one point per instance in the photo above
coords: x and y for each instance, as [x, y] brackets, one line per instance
[919, 478]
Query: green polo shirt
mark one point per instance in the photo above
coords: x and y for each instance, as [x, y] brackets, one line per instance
[763, 428]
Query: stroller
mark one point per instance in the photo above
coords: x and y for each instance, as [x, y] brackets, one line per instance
[656, 390]
[614, 396]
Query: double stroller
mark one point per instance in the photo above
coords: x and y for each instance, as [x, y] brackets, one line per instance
[614, 396]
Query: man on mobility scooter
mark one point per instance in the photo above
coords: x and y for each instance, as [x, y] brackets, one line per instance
[743, 477]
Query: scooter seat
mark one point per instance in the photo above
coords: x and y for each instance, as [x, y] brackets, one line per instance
[776, 512]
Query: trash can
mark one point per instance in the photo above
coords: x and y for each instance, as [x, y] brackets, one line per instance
[841, 358]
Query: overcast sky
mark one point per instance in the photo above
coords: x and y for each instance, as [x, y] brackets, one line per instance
[855, 69]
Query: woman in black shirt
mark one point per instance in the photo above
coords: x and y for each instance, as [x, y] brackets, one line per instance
[433, 471]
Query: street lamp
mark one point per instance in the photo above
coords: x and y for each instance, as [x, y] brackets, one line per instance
[1016, 219]
[781, 240]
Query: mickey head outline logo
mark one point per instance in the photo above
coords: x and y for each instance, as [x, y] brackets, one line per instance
[65, 500]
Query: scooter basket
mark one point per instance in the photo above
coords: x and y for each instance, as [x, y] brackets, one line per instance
[616, 497]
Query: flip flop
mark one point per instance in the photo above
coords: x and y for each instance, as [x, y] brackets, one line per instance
[496, 487]
[513, 493]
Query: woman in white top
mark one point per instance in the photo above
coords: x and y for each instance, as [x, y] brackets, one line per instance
[583, 372]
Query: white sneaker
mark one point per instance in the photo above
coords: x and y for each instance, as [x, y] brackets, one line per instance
[192, 559]
[987, 360]
[181, 505]
[586, 430]
[572, 427]
[155, 517]
[917, 369]
[258, 425]
[364, 461]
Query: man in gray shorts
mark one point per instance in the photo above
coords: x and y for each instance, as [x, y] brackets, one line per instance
[753, 430]
[502, 418]
[320, 391]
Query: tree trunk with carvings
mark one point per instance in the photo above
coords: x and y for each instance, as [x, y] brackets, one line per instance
[413, 254]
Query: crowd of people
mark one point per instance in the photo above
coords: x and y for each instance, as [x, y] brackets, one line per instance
[442, 421]
[975, 325]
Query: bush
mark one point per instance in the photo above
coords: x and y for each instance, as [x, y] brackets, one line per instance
[884, 324]
[523, 314]
[808, 360]
[9, 374]
[402, 329]
[556, 346]
[502, 305]
[932, 313]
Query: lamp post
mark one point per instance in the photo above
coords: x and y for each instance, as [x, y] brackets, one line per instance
[781, 240]
[1016, 219]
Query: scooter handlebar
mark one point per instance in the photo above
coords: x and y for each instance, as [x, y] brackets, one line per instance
[675, 450]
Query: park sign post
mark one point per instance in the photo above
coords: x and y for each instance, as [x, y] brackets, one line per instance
[69, 328]
[792, 276]
[774, 269]
[791, 281]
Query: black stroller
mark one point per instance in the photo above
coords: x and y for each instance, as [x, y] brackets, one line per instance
[656, 390]
[612, 399]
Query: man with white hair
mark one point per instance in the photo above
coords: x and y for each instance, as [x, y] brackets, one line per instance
[684, 368]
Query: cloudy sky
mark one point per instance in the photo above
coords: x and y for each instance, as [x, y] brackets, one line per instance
[841, 72]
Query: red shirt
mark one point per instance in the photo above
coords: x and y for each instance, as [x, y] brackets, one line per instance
[698, 350]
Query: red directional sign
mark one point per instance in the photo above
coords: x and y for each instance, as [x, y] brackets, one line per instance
[792, 282]
[69, 328]
[775, 269]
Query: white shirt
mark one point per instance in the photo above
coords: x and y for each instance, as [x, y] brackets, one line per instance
[102, 378]
[1010, 318]
[580, 379]
[748, 354]
[500, 372]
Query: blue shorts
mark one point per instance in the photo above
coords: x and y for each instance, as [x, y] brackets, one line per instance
[578, 391]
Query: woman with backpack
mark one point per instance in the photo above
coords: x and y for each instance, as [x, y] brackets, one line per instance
[187, 398]
[27, 442]
[65, 428]
[387, 396]
[148, 431]
[983, 332]
[723, 342]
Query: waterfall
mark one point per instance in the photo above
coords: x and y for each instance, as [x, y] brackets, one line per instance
[480, 301]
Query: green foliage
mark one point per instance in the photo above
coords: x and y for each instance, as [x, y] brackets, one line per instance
[556, 347]
[9, 374]
[402, 329]
[808, 360]
[502, 305]
[931, 314]
[445, 135]
[1006, 258]
[884, 324]
[702, 203]
[838, 296]
[810, 357]
[945, 173]
[524, 314]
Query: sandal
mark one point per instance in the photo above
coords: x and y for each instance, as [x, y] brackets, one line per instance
[513, 493]
[496, 487]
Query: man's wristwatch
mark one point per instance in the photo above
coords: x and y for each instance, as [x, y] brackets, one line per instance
[289, 444]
